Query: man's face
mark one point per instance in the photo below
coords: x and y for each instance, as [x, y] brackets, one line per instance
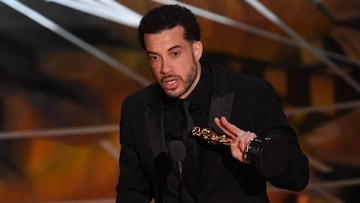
[174, 61]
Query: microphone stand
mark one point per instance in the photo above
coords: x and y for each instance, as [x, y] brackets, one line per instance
[180, 180]
[177, 152]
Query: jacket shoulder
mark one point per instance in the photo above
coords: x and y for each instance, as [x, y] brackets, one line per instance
[240, 82]
[151, 92]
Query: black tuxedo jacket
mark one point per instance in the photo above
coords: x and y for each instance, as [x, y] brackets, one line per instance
[246, 101]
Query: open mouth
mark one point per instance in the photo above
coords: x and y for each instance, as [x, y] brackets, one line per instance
[170, 83]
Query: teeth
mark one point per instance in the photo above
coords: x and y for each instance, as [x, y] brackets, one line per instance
[171, 82]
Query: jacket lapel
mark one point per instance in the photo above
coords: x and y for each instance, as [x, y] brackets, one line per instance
[153, 115]
[217, 108]
[222, 97]
[221, 104]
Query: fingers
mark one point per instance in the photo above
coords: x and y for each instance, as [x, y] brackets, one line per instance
[245, 139]
[227, 127]
[236, 152]
[241, 138]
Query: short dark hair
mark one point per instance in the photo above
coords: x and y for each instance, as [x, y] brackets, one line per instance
[166, 17]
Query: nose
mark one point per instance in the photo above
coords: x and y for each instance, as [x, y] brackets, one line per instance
[166, 66]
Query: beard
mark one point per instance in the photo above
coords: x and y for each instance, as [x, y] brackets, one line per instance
[188, 81]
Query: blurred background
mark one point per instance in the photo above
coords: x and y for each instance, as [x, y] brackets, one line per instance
[66, 66]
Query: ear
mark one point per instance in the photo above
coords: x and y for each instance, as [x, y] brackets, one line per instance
[197, 47]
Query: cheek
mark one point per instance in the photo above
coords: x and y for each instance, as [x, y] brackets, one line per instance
[155, 72]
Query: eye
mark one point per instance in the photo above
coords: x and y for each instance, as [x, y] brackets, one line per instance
[153, 57]
[175, 53]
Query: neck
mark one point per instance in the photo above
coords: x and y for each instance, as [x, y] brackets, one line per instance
[194, 84]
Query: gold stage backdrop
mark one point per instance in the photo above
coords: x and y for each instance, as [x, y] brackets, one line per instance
[60, 105]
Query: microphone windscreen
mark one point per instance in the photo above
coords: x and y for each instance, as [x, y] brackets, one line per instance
[176, 150]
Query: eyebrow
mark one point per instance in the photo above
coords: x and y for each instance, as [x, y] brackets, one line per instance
[171, 48]
[174, 47]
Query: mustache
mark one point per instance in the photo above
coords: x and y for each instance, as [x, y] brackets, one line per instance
[169, 76]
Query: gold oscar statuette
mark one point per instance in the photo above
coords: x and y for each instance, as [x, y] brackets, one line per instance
[211, 136]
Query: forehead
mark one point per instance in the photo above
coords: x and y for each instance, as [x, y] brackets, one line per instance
[164, 39]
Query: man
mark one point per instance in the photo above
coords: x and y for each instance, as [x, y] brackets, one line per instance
[262, 148]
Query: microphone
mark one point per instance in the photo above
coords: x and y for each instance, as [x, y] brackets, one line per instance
[176, 151]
